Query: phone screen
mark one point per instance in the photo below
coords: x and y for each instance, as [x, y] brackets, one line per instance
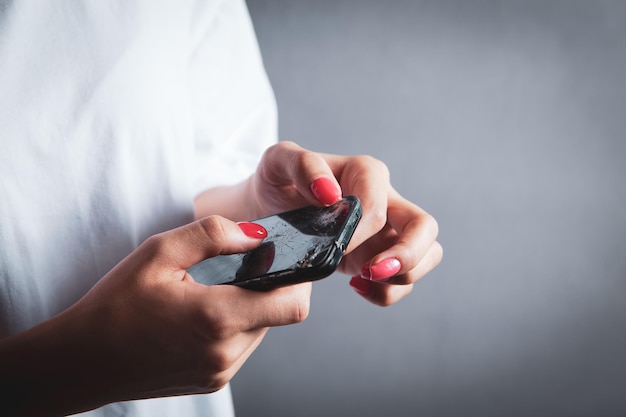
[303, 242]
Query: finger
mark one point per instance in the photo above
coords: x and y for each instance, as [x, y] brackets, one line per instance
[223, 360]
[380, 293]
[417, 233]
[256, 339]
[367, 178]
[431, 259]
[354, 261]
[202, 239]
[225, 310]
[287, 162]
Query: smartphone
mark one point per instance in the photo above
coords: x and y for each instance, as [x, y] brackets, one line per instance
[305, 244]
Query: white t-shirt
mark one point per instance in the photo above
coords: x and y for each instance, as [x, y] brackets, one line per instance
[114, 115]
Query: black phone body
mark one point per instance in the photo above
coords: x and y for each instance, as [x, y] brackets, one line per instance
[304, 244]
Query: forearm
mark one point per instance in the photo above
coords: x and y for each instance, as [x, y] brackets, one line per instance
[51, 370]
[234, 202]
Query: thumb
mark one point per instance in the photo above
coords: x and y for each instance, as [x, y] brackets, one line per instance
[206, 238]
[307, 170]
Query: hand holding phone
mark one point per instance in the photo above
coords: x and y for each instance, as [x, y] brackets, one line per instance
[302, 245]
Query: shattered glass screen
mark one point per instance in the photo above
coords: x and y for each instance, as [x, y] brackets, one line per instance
[295, 239]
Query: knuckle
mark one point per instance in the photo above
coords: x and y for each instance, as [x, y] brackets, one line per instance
[215, 323]
[154, 246]
[431, 225]
[372, 164]
[279, 148]
[378, 217]
[301, 310]
[286, 144]
[305, 159]
[298, 304]
[408, 254]
[213, 228]
[272, 149]
[220, 361]
[302, 157]
[219, 328]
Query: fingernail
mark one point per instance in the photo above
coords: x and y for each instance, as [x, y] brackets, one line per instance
[363, 287]
[325, 190]
[253, 230]
[382, 270]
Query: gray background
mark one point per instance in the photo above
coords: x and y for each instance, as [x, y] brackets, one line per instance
[506, 120]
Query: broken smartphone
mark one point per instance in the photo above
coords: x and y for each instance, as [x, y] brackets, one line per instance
[305, 244]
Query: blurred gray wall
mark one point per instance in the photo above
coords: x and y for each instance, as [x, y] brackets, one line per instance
[507, 121]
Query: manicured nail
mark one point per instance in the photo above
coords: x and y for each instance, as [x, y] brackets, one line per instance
[325, 190]
[253, 230]
[361, 286]
[382, 270]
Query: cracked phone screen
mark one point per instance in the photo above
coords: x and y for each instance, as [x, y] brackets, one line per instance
[296, 239]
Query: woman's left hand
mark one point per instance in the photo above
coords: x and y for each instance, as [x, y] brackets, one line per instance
[395, 243]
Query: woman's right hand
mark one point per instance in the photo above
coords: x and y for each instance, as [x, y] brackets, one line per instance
[147, 329]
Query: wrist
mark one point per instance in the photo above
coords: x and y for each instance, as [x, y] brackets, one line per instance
[235, 202]
[57, 363]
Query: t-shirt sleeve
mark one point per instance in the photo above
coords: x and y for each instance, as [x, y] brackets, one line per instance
[234, 109]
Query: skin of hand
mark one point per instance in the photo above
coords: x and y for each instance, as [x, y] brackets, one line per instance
[146, 329]
[395, 243]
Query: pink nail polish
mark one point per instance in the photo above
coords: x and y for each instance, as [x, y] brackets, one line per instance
[362, 286]
[325, 190]
[365, 271]
[253, 230]
[382, 270]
